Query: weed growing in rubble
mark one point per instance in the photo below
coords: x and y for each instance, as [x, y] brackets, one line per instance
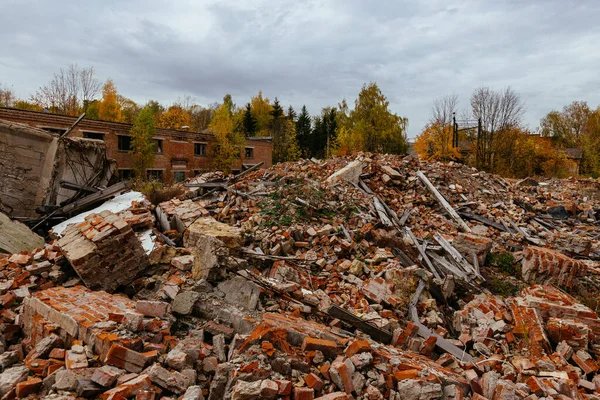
[503, 287]
[504, 261]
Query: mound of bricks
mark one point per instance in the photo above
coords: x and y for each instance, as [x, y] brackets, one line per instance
[104, 251]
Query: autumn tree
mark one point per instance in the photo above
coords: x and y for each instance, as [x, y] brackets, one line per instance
[498, 111]
[228, 143]
[566, 127]
[435, 141]
[142, 142]
[69, 91]
[371, 126]
[261, 109]
[174, 118]
[27, 105]
[109, 108]
[7, 96]
[249, 122]
[129, 109]
[304, 131]
[200, 117]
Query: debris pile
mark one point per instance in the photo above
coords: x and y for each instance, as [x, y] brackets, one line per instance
[368, 277]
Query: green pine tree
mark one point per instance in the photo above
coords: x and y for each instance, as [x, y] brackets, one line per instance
[249, 122]
[304, 132]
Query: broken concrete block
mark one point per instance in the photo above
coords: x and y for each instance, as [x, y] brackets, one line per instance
[172, 381]
[10, 378]
[240, 292]
[184, 302]
[178, 360]
[65, 380]
[193, 393]
[104, 251]
[350, 173]
[183, 263]
[412, 389]
[246, 390]
[179, 215]
[211, 241]
[16, 237]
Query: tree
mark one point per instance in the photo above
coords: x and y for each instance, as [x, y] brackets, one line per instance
[283, 131]
[174, 118]
[228, 143]
[304, 132]
[69, 91]
[261, 109]
[142, 142]
[435, 143]
[7, 97]
[291, 115]
[129, 109]
[249, 121]
[371, 126]
[200, 117]
[567, 127]
[498, 112]
[276, 111]
[109, 108]
[27, 105]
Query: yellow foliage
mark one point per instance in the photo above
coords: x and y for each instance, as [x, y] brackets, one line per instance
[435, 143]
[227, 148]
[174, 118]
[109, 108]
[261, 110]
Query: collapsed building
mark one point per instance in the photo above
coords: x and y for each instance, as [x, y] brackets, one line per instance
[368, 277]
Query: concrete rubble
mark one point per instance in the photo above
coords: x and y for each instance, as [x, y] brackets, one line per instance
[339, 279]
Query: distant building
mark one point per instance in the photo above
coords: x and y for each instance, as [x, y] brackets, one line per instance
[179, 154]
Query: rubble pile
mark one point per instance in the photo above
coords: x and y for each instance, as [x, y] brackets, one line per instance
[368, 277]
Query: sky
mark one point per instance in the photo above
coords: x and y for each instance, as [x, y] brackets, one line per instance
[312, 52]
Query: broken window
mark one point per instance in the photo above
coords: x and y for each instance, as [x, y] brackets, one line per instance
[155, 174]
[200, 149]
[124, 143]
[125, 174]
[249, 152]
[93, 135]
[158, 148]
[178, 176]
[60, 131]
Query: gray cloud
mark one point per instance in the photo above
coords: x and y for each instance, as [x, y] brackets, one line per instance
[312, 52]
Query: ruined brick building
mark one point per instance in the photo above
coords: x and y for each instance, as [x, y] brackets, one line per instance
[180, 154]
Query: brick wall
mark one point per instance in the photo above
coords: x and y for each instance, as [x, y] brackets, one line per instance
[177, 146]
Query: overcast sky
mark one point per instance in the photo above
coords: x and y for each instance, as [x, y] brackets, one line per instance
[312, 52]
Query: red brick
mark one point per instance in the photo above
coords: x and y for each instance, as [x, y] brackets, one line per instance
[327, 347]
[28, 387]
[313, 381]
[357, 346]
[304, 394]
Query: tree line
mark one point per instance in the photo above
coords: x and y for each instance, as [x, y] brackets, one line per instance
[369, 126]
[503, 145]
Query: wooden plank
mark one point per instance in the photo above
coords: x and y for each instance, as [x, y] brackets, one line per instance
[443, 202]
[424, 332]
[468, 268]
[374, 332]
[422, 252]
[383, 216]
[483, 220]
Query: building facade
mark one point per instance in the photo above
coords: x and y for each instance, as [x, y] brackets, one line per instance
[179, 154]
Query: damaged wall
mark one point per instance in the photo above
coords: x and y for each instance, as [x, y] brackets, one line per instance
[26, 162]
[33, 163]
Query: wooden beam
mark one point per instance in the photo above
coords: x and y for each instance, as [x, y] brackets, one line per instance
[443, 202]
